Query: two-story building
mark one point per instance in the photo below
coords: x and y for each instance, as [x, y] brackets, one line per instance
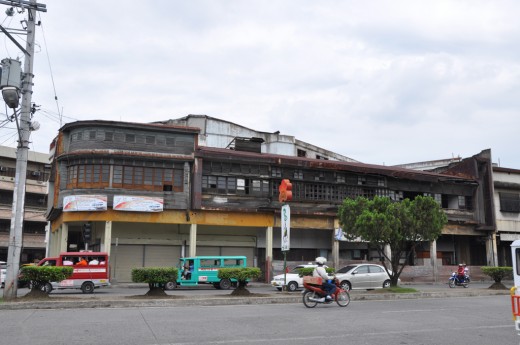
[152, 194]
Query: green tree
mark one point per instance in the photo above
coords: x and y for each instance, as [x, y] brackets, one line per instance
[242, 275]
[398, 225]
[156, 277]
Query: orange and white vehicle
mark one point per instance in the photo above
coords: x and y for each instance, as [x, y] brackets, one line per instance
[91, 271]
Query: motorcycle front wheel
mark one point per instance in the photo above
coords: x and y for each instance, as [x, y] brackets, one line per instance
[343, 298]
[307, 295]
[451, 283]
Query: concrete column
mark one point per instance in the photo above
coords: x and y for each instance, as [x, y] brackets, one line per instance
[433, 260]
[64, 235]
[268, 253]
[107, 239]
[193, 240]
[335, 252]
[388, 251]
[491, 250]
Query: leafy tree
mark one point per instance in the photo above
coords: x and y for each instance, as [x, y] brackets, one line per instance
[242, 275]
[40, 276]
[399, 225]
[156, 277]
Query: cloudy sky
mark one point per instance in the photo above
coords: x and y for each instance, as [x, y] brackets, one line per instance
[383, 82]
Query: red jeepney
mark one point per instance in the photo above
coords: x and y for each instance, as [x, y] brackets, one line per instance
[90, 270]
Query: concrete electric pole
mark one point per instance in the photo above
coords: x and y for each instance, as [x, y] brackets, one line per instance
[17, 217]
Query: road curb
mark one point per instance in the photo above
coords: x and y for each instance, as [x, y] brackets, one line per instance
[201, 300]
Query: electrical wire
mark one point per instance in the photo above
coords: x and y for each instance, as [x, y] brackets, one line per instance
[50, 69]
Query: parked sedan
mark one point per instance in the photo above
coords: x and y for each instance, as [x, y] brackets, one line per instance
[293, 279]
[363, 277]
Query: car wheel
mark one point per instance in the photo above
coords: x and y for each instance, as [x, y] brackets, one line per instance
[345, 285]
[292, 286]
[225, 284]
[47, 288]
[170, 286]
[279, 288]
[386, 284]
[87, 287]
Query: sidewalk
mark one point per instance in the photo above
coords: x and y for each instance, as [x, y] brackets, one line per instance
[261, 294]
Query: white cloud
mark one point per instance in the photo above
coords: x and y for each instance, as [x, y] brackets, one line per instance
[381, 81]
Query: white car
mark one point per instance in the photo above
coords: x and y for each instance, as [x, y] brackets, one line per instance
[363, 277]
[293, 279]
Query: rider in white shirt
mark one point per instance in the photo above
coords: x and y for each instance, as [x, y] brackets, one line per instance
[320, 271]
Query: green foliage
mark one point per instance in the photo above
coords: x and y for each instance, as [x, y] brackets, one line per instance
[154, 276]
[307, 271]
[399, 225]
[41, 275]
[241, 274]
[498, 273]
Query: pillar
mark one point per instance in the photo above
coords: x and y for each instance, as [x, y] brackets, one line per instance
[335, 252]
[268, 253]
[491, 250]
[433, 260]
[107, 239]
[64, 235]
[193, 240]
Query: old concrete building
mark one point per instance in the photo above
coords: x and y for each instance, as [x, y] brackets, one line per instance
[224, 134]
[153, 194]
[36, 189]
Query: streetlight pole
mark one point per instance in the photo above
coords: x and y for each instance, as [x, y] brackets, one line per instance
[22, 152]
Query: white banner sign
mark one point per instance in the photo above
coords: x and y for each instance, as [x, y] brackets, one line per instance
[74, 203]
[286, 227]
[138, 203]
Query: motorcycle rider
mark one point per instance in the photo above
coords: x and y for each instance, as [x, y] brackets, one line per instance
[461, 273]
[320, 271]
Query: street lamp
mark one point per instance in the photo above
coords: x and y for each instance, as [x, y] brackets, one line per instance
[11, 96]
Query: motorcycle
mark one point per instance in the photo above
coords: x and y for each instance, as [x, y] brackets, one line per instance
[455, 280]
[314, 294]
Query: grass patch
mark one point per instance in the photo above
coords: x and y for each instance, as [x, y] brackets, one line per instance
[396, 289]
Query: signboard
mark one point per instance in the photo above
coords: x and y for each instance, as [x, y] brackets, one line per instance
[73, 203]
[286, 227]
[138, 203]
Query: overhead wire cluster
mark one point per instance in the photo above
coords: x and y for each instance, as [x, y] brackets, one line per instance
[8, 134]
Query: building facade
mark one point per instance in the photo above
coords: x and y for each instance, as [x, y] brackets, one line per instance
[36, 189]
[153, 194]
[507, 209]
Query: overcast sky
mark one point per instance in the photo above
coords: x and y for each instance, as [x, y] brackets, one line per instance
[383, 82]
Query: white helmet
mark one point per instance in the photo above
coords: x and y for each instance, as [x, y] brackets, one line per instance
[321, 260]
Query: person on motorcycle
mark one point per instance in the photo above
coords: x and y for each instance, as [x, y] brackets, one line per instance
[320, 271]
[461, 273]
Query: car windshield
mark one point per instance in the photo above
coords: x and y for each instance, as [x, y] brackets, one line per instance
[346, 269]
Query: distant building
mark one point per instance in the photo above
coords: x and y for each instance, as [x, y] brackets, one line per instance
[228, 135]
[36, 189]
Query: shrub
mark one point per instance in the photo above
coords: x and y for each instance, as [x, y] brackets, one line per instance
[307, 271]
[241, 274]
[39, 276]
[154, 276]
[498, 273]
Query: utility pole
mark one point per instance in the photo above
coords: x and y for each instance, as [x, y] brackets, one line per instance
[17, 217]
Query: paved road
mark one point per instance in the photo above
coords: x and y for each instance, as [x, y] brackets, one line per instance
[462, 321]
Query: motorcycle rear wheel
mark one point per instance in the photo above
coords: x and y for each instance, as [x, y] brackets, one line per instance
[343, 298]
[307, 295]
